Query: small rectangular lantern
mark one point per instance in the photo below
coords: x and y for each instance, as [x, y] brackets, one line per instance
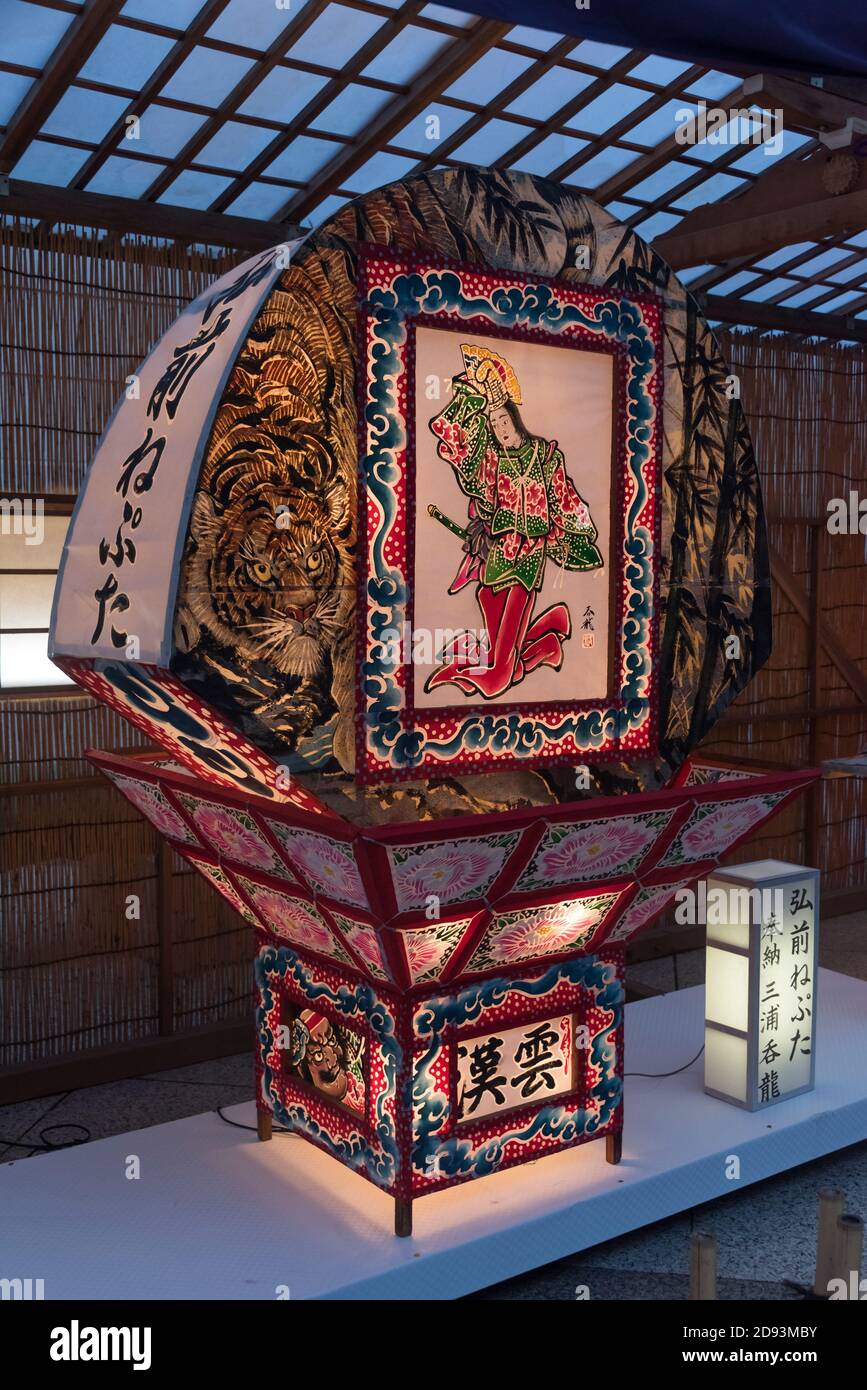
[760, 993]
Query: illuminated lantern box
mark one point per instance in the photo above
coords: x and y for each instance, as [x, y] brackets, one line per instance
[760, 993]
[450, 490]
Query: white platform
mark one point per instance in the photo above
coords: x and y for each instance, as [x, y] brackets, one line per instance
[216, 1215]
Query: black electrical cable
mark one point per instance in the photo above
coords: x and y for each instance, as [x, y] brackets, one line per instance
[48, 1146]
[236, 1124]
[654, 1075]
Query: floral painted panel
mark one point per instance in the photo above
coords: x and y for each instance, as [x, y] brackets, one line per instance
[294, 920]
[364, 941]
[323, 863]
[233, 834]
[645, 906]
[714, 827]
[575, 850]
[534, 932]
[451, 870]
[428, 950]
[147, 798]
[700, 776]
[221, 881]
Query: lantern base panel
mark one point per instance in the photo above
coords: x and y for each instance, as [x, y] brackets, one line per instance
[225, 1217]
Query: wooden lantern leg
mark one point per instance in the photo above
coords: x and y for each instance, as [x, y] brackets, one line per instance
[402, 1216]
[264, 1124]
[614, 1147]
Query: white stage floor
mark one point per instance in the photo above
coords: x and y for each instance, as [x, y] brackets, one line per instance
[216, 1215]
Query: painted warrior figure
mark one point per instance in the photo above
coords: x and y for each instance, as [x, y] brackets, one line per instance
[524, 510]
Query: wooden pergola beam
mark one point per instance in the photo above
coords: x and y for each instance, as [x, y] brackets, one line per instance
[79, 41]
[438, 77]
[150, 219]
[765, 232]
[804, 107]
[757, 314]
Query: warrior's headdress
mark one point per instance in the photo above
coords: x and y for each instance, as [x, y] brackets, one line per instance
[491, 375]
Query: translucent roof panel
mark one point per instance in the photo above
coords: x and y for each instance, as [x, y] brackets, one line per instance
[735, 282]
[660, 182]
[460, 19]
[336, 36]
[324, 210]
[785, 253]
[31, 33]
[255, 26]
[532, 38]
[43, 162]
[174, 14]
[713, 85]
[718, 186]
[207, 76]
[550, 93]
[833, 306]
[489, 76]
[303, 158]
[382, 168]
[657, 225]
[490, 143]
[282, 94]
[803, 297]
[816, 264]
[761, 156]
[430, 127]
[770, 288]
[89, 115]
[235, 145]
[602, 166]
[598, 55]
[670, 118]
[260, 200]
[192, 189]
[126, 178]
[408, 54]
[164, 131]
[13, 89]
[351, 111]
[850, 272]
[693, 272]
[126, 57]
[549, 154]
[608, 108]
[660, 71]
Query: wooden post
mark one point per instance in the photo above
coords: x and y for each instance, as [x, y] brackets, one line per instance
[264, 1124]
[614, 1147]
[830, 1210]
[850, 1246]
[402, 1216]
[814, 656]
[702, 1266]
[166, 969]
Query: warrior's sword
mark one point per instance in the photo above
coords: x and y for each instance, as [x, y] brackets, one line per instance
[446, 521]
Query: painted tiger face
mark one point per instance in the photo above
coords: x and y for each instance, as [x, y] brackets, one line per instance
[268, 581]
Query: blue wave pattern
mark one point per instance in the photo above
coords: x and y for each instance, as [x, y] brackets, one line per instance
[275, 963]
[455, 1157]
[616, 319]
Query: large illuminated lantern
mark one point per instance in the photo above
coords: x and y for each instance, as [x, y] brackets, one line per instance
[427, 550]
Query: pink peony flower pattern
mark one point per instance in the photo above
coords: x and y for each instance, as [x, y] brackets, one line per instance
[539, 931]
[593, 849]
[233, 834]
[647, 904]
[364, 942]
[294, 919]
[713, 828]
[452, 870]
[429, 950]
[148, 799]
[326, 864]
